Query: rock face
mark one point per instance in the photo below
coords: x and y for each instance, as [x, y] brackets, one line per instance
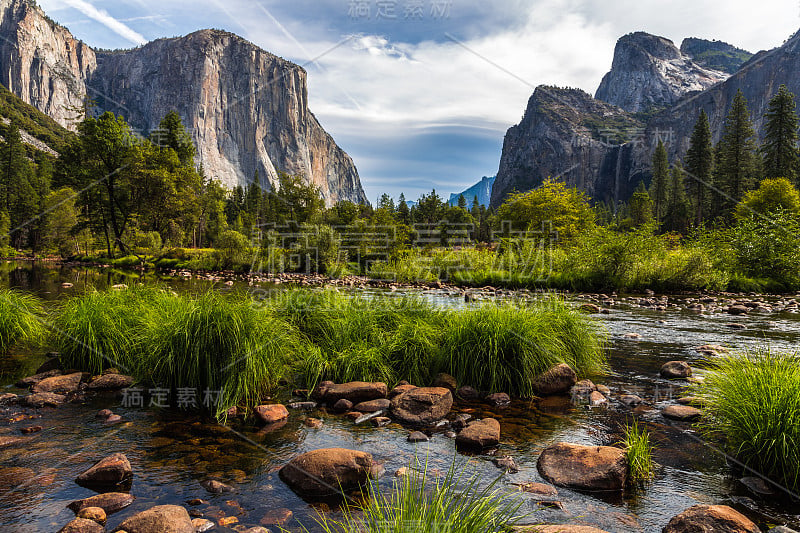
[593, 468]
[717, 518]
[323, 472]
[422, 406]
[651, 72]
[247, 109]
[159, 519]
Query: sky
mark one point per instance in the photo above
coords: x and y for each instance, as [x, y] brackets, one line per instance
[421, 92]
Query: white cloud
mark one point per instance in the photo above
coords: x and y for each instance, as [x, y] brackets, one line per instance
[103, 17]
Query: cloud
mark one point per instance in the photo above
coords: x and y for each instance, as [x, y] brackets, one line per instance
[103, 17]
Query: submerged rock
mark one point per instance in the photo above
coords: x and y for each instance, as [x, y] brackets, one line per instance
[716, 518]
[593, 468]
[422, 406]
[110, 502]
[159, 519]
[676, 370]
[418, 436]
[479, 434]
[498, 399]
[82, 525]
[682, 412]
[8, 442]
[558, 380]
[216, 487]
[111, 470]
[43, 399]
[327, 472]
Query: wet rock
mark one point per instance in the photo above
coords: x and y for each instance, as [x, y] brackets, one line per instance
[738, 310]
[159, 519]
[104, 413]
[110, 470]
[270, 414]
[43, 399]
[758, 486]
[632, 336]
[113, 419]
[304, 406]
[216, 487]
[590, 308]
[53, 363]
[781, 529]
[8, 398]
[676, 370]
[256, 529]
[30, 381]
[95, 514]
[596, 399]
[460, 421]
[110, 382]
[356, 392]
[558, 380]
[593, 468]
[322, 472]
[690, 400]
[313, 423]
[343, 406]
[506, 463]
[277, 517]
[59, 384]
[8, 442]
[683, 413]
[30, 429]
[201, 525]
[446, 381]
[602, 389]
[736, 326]
[498, 399]
[418, 436]
[479, 434]
[468, 394]
[630, 400]
[583, 388]
[716, 518]
[82, 525]
[539, 489]
[422, 406]
[110, 502]
[373, 406]
[711, 349]
[381, 421]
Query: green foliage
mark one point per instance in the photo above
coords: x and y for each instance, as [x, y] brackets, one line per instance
[752, 400]
[659, 187]
[780, 137]
[21, 318]
[768, 246]
[552, 206]
[232, 249]
[678, 214]
[700, 166]
[641, 207]
[639, 453]
[455, 503]
[772, 195]
[738, 158]
[30, 119]
[61, 219]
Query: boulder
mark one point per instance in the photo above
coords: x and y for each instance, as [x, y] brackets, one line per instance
[591, 468]
[356, 392]
[159, 519]
[738, 310]
[468, 394]
[269, 414]
[110, 502]
[82, 525]
[400, 389]
[43, 399]
[676, 370]
[498, 399]
[446, 381]
[479, 434]
[277, 517]
[95, 514]
[110, 382]
[422, 406]
[373, 406]
[682, 412]
[111, 470]
[590, 308]
[558, 380]
[716, 518]
[343, 406]
[630, 400]
[59, 384]
[327, 472]
[215, 487]
[30, 381]
[597, 399]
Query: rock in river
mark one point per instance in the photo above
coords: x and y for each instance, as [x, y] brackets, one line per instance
[159, 519]
[558, 380]
[43, 399]
[716, 518]
[479, 434]
[676, 370]
[355, 392]
[111, 470]
[269, 414]
[593, 468]
[110, 382]
[110, 502]
[422, 406]
[682, 412]
[82, 525]
[59, 384]
[323, 472]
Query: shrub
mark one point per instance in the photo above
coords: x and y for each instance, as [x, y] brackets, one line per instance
[20, 319]
[753, 401]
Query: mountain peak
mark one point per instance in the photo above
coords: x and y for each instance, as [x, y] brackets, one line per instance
[715, 55]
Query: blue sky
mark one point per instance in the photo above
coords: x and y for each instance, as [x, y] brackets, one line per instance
[421, 92]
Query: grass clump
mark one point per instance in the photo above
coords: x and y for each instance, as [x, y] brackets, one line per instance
[639, 452]
[20, 319]
[418, 504]
[753, 401]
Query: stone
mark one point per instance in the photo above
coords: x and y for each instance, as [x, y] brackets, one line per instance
[422, 406]
[400, 389]
[468, 394]
[113, 419]
[303, 406]
[590, 308]
[539, 489]
[110, 502]
[630, 400]
[110, 470]
[110, 382]
[757, 486]
[9, 442]
[604, 390]
[738, 310]
[313, 423]
[597, 399]
[104, 413]
[506, 463]
[30, 429]
[591, 468]
[498, 399]
[215, 487]
[95, 514]
[681, 412]
[159, 519]
[479, 434]
[445, 381]
[43, 399]
[676, 370]
[201, 525]
[418, 436]
[30, 381]
[690, 400]
[381, 421]
[373, 406]
[583, 388]
[8, 398]
[277, 517]
[558, 380]
[343, 406]
[82, 525]
[59, 384]
[323, 472]
[269, 414]
[716, 518]
[356, 392]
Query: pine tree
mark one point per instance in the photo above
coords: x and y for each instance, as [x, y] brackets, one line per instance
[19, 199]
[678, 212]
[780, 137]
[659, 187]
[402, 210]
[738, 162]
[172, 134]
[700, 166]
[641, 206]
[462, 202]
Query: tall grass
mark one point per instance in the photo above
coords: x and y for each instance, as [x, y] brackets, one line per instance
[753, 401]
[20, 319]
[639, 453]
[505, 347]
[419, 504]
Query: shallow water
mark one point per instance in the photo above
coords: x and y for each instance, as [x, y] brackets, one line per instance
[173, 451]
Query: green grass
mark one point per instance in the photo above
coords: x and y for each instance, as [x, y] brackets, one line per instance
[639, 451]
[419, 504]
[20, 319]
[753, 402]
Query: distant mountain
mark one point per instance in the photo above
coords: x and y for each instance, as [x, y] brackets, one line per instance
[715, 55]
[481, 190]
